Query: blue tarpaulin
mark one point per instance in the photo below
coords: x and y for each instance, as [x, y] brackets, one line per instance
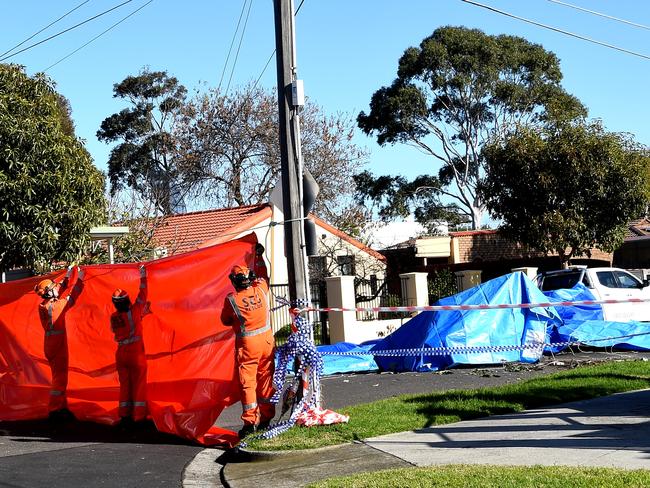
[601, 333]
[474, 328]
[584, 323]
[492, 329]
[575, 314]
[349, 363]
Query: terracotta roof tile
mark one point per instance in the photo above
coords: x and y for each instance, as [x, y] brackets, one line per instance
[185, 232]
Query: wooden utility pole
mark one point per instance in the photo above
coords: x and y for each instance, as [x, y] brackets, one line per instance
[291, 163]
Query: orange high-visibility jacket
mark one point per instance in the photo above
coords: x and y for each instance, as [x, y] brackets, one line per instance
[50, 311]
[127, 326]
[248, 310]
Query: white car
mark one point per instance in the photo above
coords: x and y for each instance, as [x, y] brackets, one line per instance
[604, 284]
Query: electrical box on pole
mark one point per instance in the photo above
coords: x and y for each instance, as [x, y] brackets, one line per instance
[297, 93]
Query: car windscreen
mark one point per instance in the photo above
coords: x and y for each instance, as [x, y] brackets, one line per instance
[561, 280]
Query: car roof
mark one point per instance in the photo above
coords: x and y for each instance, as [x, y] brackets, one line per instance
[606, 269]
[561, 271]
[571, 270]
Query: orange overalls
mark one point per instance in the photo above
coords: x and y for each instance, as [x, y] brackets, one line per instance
[55, 345]
[130, 359]
[248, 313]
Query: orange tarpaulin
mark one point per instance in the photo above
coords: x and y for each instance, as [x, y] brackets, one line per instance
[191, 375]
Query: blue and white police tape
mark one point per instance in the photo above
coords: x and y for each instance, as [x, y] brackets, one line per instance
[310, 368]
[446, 351]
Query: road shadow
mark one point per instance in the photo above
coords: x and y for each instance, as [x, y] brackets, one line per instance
[44, 430]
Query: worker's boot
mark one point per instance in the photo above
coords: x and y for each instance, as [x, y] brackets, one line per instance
[247, 430]
[125, 424]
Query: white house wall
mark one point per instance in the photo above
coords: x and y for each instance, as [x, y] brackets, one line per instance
[332, 246]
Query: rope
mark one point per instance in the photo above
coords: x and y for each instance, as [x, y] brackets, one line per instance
[485, 306]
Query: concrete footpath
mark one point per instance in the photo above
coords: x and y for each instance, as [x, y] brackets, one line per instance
[612, 431]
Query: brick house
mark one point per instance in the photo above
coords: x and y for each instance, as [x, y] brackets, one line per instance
[635, 251]
[483, 250]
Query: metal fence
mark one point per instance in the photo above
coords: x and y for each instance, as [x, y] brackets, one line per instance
[281, 319]
[443, 283]
[379, 292]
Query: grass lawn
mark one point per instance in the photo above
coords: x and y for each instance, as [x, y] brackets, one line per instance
[460, 476]
[411, 412]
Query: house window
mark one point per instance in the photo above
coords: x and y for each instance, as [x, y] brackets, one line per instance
[317, 267]
[346, 265]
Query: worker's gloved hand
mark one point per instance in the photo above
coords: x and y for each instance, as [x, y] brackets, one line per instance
[259, 249]
[143, 271]
[64, 282]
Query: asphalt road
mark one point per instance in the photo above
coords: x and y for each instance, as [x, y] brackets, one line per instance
[39, 454]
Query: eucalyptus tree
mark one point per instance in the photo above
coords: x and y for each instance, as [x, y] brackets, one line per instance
[457, 90]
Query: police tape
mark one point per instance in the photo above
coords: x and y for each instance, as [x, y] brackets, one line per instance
[482, 306]
[447, 351]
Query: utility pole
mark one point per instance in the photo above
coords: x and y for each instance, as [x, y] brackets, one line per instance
[291, 159]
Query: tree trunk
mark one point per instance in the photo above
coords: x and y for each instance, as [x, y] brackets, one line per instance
[564, 258]
[477, 216]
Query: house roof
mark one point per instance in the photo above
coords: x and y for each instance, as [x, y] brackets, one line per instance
[638, 228]
[349, 239]
[473, 232]
[188, 231]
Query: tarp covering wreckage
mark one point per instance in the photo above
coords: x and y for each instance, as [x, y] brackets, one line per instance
[495, 336]
[488, 329]
[585, 324]
[191, 375]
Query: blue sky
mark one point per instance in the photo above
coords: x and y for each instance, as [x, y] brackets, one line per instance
[346, 50]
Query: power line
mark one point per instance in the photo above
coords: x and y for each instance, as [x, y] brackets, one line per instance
[232, 43]
[264, 69]
[578, 36]
[241, 38]
[99, 35]
[66, 30]
[44, 28]
[273, 53]
[601, 14]
[298, 9]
